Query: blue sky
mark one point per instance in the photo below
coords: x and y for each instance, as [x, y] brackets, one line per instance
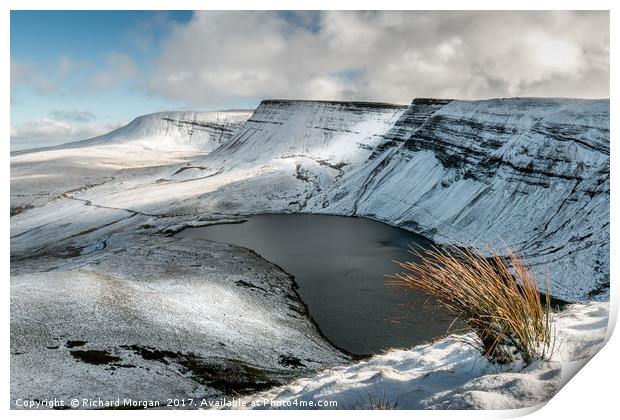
[61, 59]
[77, 74]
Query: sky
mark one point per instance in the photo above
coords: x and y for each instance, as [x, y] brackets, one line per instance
[78, 74]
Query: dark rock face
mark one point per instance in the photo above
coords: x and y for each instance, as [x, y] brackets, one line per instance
[220, 131]
[540, 143]
[410, 121]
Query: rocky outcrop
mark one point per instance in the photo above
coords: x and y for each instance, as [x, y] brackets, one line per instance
[410, 121]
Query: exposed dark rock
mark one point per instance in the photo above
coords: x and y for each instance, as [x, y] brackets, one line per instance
[75, 343]
[95, 357]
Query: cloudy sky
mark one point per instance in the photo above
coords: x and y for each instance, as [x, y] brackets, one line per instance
[75, 75]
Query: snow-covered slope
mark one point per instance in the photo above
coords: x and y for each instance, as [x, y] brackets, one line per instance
[533, 173]
[448, 374]
[324, 136]
[150, 318]
[175, 131]
[42, 175]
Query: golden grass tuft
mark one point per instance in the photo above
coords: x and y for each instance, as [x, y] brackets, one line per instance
[497, 296]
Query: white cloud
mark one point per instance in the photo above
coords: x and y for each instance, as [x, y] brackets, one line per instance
[222, 57]
[46, 80]
[77, 116]
[67, 76]
[20, 70]
[66, 65]
[51, 130]
[118, 68]
[146, 33]
[30, 74]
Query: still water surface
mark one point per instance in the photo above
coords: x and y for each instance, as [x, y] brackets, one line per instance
[340, 265]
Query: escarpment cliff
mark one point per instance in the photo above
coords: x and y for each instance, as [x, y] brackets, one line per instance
[532, 173]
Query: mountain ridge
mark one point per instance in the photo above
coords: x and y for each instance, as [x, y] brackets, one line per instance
[213, 128]
[530, 172]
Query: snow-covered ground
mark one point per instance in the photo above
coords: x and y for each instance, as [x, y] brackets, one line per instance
[148, 317]
[42, 175]
[91, 216]
[448, 374]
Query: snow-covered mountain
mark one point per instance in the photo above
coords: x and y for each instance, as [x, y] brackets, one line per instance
[147, 141]
[531, 173]
[175, 131]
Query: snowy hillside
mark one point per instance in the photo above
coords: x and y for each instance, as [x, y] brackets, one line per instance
[42, 175]
[449, 374]
[315, 138]
[533, 173]
[175, 131]
[167, 312]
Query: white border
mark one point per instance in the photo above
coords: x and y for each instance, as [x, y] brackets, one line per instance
[591, 394]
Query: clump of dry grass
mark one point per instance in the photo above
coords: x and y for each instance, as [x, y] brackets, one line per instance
[380, 403]
[497, 296]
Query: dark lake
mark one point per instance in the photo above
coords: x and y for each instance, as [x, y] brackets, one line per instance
[340, 265]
